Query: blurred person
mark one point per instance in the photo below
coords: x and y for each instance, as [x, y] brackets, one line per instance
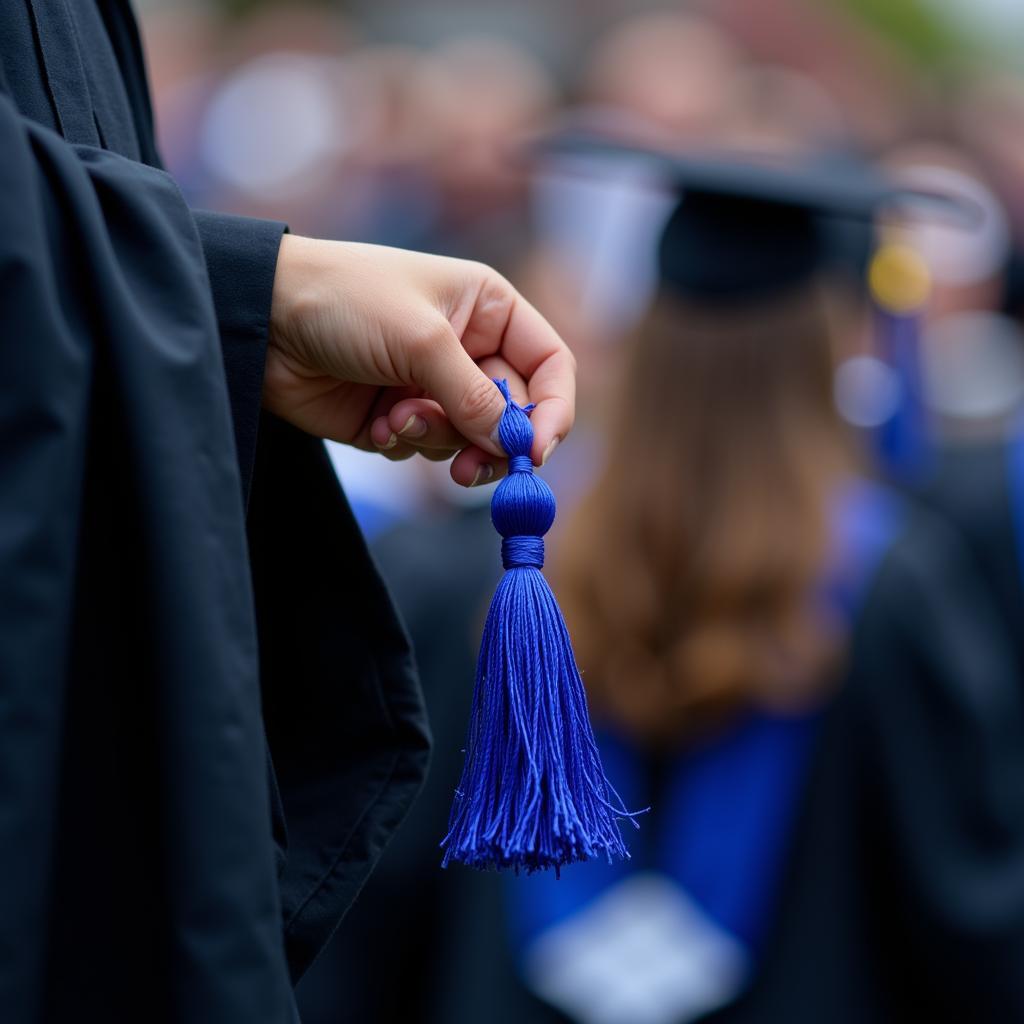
[663, 75]
[965, 267]
[292, 66]
[879, 92]
[300, 26]
[182, 69]
[971, 353]
[776, 108]
[669, 72]
[391, 196]
[800, 673]
[988, 112]
[472, 101]
[206, 735]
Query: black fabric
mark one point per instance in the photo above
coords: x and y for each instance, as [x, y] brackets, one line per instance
[905, 898]
[129, 711]
[241, 257]
[79, 70]
[410, 919]
[904, 893]
[971, 487]
[725, 249]
[344, 712]
[123, 34]
[138, 877]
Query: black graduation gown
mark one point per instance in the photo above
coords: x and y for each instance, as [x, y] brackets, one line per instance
[972, 487]
[442, 571]
[151, 866]
[903, 897]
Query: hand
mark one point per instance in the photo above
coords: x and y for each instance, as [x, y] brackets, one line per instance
[394, 351]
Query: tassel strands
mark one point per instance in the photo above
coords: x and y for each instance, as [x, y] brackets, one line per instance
[533, 793]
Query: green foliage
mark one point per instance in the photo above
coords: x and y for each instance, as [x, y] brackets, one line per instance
[918, 30]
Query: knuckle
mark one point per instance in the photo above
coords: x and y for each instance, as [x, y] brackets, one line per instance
[480, 271]
[427, 338]
[480, 400]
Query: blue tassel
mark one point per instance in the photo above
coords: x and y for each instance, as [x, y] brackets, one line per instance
[533, 793]
[905, 442]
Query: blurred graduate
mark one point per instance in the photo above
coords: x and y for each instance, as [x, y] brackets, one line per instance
[804, 676]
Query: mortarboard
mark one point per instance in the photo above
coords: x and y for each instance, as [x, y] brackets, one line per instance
[747, 226]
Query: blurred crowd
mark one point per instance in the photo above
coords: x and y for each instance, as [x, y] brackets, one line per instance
[291, 111]
[318, 116]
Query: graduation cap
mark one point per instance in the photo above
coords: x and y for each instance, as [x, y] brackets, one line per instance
[746, 226]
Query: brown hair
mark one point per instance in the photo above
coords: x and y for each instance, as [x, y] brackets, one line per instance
[686, 575]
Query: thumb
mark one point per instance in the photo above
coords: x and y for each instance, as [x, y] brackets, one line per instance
[470, 399]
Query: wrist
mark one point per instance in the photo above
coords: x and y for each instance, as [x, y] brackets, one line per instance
[293, 292]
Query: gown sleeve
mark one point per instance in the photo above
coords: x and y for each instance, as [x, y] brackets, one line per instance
[241, 259]
[137, 622]
[119, 472]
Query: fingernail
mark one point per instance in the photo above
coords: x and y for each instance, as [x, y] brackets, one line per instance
[484, 472]
[391, 442]
[415, 426]
[496, 439]
[548, 451]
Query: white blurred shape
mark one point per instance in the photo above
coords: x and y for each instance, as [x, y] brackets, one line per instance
[272, 122]
[641, 953]
[956, 254]
[867, 391]
[973, 365]
[605, 224]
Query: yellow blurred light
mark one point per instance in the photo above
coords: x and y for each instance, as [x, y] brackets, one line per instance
[898, 278]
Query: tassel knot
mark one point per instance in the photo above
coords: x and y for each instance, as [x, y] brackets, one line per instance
[522, 506]
[533, 793]
[517, 552]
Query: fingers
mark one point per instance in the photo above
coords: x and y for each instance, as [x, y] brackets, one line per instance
[466, 394]
[473, 467]
[420, 422]
[536, 351]
[420, 426]
[552, 417]
[417, 424]
[552, 389]
[498, 368]
[529, 349]
[502, 337]
[396, 451]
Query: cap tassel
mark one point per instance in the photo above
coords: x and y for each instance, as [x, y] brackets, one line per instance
[899, 283]
[533, 793]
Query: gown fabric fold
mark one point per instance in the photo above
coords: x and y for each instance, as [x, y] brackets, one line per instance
[197, 771]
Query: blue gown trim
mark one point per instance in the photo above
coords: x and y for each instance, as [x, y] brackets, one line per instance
[1015, 468]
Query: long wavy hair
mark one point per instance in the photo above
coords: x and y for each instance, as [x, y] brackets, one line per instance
[687, 575]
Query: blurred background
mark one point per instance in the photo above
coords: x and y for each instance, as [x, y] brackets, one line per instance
[402, 121]
[397, 122]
